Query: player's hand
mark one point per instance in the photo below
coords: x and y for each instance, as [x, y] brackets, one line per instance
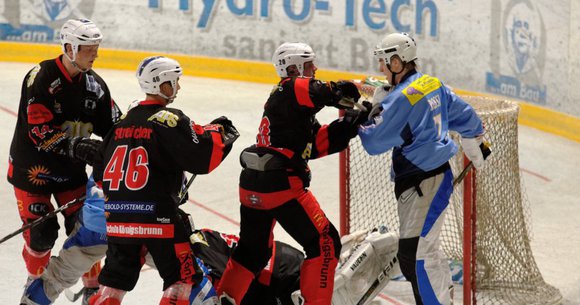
[83, 149]
[347, 92]
[229, 133]
[476, 151]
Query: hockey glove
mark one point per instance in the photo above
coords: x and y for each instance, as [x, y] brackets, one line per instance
[229, 133]
[83, 149]
[476, 151]
[358, 116]
[346, 93]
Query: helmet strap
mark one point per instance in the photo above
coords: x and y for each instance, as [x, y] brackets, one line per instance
[394, 74]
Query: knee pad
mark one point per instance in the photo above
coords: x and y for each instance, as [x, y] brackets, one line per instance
[43, 235]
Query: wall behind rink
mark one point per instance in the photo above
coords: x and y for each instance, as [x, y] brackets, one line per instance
[523, 49]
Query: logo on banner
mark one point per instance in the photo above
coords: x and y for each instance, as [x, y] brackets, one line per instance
[40, 21]
[518, 59]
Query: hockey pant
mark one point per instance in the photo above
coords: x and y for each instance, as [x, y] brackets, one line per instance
[421, 260]
[81, 252]
[40, 239]
[305, 221]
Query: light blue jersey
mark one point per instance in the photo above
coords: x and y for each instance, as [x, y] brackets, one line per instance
[416, 118]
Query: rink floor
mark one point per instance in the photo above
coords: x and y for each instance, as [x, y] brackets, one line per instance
[549, 166]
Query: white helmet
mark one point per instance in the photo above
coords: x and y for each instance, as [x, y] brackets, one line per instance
[78, 32]
[400, 44]
[156, 70]
[292, 53]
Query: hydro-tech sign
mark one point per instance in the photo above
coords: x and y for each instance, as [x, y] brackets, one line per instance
[369, 13]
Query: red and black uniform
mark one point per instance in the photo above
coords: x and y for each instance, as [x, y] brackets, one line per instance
[53, 107]
[273, 285]
[273, 187]
[142, 169]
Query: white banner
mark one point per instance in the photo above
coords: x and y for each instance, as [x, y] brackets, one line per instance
[503, 47]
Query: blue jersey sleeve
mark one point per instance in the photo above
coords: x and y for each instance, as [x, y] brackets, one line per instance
[462, 117]
[384, 131]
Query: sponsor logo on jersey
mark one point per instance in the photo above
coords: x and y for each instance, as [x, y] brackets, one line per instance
[90, 105]
[130, 207]
[55, 86]
[327, 257]
[163, 220]
[164, 118]
[57, 107]
[38, 114]
[420, 88]
[37, 175]
[133, 132]
[38, 208]
[254, 199]
[140, 230]
[194, 133]
[94, 86]
[32, 76]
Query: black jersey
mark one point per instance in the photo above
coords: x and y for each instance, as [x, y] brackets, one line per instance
[272, 286]
[289, 125]
[54, 106]
[141, 166]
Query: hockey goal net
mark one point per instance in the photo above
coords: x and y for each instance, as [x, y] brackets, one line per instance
[487, 225]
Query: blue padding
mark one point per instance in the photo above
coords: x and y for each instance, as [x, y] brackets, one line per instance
[425, 289]
[440, 202]
[35, 292]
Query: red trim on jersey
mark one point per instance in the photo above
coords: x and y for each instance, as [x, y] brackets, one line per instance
[140, 230]
[38, 114]
[151, 102]
[217, 153]
[267, 201]
[63, 70]
[302, 91]
[322, 141]
[10, 169]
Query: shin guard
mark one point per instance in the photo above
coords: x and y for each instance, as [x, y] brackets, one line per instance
[235, 281]
[107, 296]
[176, 294]
[317, 280]
[91, 277]
[35, 261]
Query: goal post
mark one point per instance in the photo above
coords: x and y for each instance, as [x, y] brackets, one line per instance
[487, 225]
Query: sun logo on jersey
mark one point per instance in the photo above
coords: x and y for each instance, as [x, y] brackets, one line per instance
[38, 174]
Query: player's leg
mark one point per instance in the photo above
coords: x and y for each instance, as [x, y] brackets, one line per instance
[420, 257]
[204, 293]
[305, 221]
[120, 273]
[251, 255]
[90, 278]
[38, 240]
[176, 265]
[79, 253]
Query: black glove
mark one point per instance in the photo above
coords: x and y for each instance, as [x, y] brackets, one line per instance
[345, 94]
[83, 149]
[229, 133]
[358, 116]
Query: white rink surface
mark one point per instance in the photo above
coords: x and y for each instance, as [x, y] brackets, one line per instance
[549, 165]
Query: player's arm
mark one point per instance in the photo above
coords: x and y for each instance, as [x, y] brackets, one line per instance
[464, 120]
[316, 94]
[384, 129]
[198, 149]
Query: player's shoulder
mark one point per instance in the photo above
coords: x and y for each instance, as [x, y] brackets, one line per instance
[167, 117]
[42, 74]
[418, 86]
